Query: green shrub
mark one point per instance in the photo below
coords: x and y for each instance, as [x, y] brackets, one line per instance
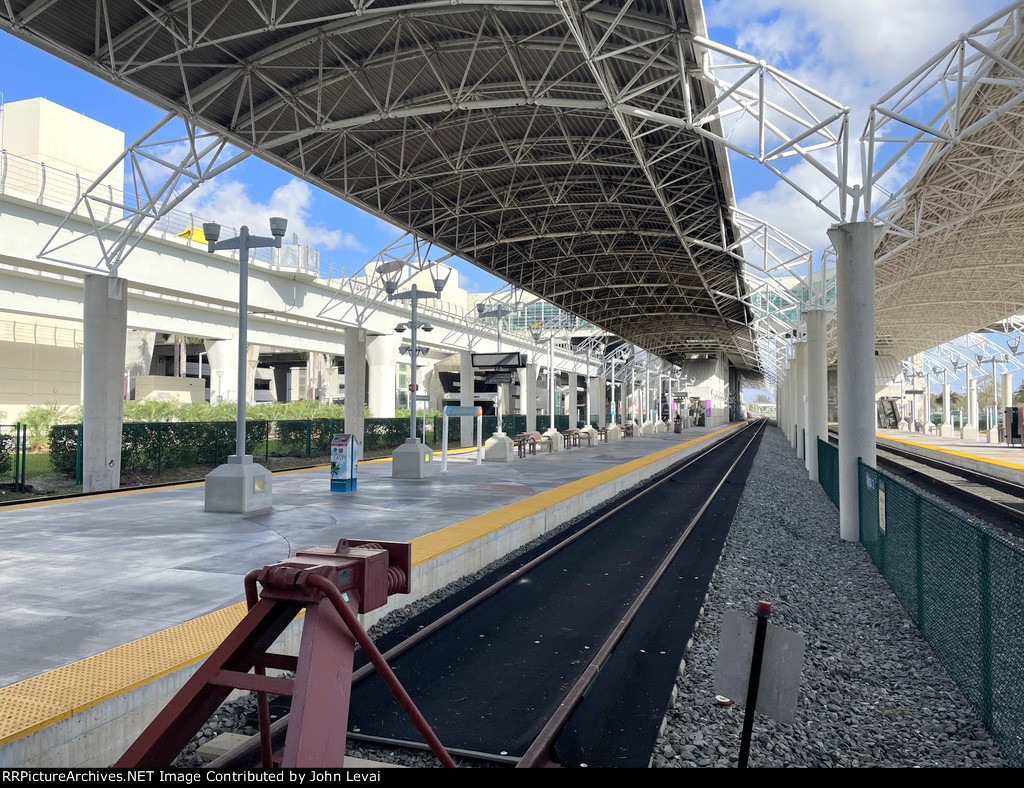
[6, 454]
[40, 418]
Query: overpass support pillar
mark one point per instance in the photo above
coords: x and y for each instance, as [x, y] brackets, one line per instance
[382, 356]
[467, 398]
[970, 432]
[946, 430]
[223, 358]
[855, 293]
[800, 387]
[105, 320]
[530, 397]
[817, 386]
[355, 384]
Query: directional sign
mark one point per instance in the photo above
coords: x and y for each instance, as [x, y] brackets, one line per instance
[498, 377]
[499, 360]
[464, 410]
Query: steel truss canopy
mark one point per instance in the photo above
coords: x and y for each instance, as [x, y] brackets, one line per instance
[572, 148]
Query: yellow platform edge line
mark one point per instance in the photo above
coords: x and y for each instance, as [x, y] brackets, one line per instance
[430, 546]
[96, 679]
[213, 627]
[941, 450]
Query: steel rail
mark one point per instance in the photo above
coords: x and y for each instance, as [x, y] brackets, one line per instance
[955, 491]
[538, 753]
[247, 754]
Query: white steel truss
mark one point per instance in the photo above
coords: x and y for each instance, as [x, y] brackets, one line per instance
[576, 149]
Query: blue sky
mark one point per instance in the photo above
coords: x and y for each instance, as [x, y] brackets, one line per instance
[850, 51]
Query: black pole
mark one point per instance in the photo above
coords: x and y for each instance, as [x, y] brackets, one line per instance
[763, 611]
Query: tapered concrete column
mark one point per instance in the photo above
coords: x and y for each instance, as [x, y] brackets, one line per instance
[970, 432]
[223, 358]
[573, 399]
[529, 389]
[467, 397]
[1007, 399]
[946, 430]
[355, 383]
[817, 386]
[105, 323]
[382, 356]
[600, 404]
[855, 330]
[800, 368]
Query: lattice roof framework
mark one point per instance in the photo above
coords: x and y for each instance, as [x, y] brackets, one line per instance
[485, 127]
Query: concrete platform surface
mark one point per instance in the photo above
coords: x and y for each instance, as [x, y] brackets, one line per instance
[995, 459]
[83, 576]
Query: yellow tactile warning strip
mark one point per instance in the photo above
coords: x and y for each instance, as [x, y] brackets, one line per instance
[447, 539]
[34, 703]
[991, 460]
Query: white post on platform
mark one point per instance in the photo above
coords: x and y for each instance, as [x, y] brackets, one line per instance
[854, 243]
[817, 386]
[240, 485]
[800, 367]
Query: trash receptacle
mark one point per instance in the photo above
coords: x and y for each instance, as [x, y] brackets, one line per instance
[344, 462]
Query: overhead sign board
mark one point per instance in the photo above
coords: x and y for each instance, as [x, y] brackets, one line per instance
[499, 360]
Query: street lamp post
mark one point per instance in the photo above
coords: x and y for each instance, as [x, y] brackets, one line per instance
[411, 460]
[240, 485]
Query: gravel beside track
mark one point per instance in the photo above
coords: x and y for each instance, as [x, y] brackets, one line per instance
[872, 693]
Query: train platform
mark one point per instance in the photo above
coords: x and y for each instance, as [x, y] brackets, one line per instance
[995, 459]
[113, 600]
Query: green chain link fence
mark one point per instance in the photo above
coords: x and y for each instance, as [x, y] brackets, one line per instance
[828, 470]
[960, 582]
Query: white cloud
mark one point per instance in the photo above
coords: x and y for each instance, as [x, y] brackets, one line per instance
[228, 202]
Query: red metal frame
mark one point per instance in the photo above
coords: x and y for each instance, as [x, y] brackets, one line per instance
[332, 585]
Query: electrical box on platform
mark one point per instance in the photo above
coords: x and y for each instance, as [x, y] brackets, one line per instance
[344, 462]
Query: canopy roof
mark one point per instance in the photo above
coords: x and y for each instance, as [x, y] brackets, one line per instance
[486, 127]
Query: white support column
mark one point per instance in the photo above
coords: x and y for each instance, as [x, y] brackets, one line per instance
[970, 432]
[817, 386]
[223, 358]
[382, 356]
[105, 328]
[467, 398]
[800, 368]
[946, 430]
[530, 398]
[355, 383]
[855, 329]
[1007, 379]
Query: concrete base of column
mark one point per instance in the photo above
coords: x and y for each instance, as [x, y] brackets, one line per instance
[969, 433]
[240, 486]
[903, 426]
[647, 428]
[660, 427]
[499, 448]
[946, 430]
[588, 430]
[557, 441]
[412, 460]
[614, 432]
[993, 436]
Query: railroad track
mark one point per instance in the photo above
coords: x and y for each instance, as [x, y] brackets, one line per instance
[570, 657]
[999, 500]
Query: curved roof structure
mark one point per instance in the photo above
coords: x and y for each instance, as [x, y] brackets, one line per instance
[950, 257]
[487, 127]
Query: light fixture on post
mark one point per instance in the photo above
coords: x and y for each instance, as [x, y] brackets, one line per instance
[412, 460]
[240, 485]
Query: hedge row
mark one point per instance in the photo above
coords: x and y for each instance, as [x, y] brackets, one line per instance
[156, 446]
[7, 443]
